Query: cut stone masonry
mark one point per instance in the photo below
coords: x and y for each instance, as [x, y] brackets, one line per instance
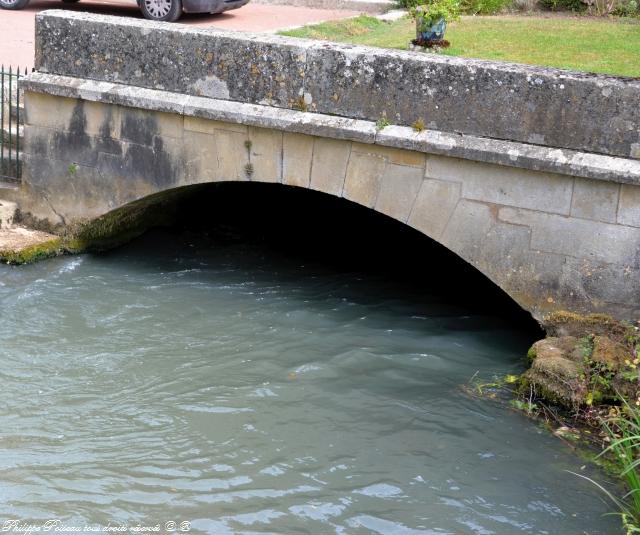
[551, 215]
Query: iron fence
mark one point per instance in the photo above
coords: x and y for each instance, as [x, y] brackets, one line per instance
[11, 124]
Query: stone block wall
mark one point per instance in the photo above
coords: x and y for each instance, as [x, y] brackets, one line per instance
[550, 241]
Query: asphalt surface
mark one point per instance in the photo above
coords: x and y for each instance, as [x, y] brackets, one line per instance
[17, 27]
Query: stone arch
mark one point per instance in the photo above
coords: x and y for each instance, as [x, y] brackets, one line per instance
[127, 156]
[377, 234]
[487, 214]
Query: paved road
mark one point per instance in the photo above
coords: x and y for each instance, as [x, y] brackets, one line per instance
[17, 27]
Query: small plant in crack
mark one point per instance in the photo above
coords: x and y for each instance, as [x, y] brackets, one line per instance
[383, 122]
[418, 125]
[300, 104]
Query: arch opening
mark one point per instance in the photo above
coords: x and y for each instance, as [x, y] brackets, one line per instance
[314, 228]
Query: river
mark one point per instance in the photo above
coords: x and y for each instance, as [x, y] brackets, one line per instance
[244, 391]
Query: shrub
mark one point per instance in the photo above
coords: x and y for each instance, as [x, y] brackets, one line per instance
[601, 8]
[434, 10]
[524, 5]
[563, 5]
[469, 7]
[409, 4]
[629, 8]
[484, 7]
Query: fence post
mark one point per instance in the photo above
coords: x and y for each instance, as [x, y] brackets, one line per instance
[2, 76]
[10, 114]
[10, 124]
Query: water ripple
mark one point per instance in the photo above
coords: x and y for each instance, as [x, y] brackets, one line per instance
[249, 395]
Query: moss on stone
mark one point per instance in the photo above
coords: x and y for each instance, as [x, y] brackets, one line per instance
[563, 323]
[585, 346]
[588, 360]
[106, 232]
[34, 253]
[123, 224]
[556, 373]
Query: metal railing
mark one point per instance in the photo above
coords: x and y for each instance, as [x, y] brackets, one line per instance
[11, 124]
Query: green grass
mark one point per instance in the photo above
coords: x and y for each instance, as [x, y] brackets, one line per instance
[623, 430]
[602, 45]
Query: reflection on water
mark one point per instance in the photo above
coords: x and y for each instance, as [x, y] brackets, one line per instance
[171, 380]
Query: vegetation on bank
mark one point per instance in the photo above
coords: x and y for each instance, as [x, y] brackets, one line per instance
[608, 46]
[600, 8]
[623, 429]
[583, 382]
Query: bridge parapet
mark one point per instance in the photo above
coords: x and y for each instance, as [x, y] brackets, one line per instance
[540, 106]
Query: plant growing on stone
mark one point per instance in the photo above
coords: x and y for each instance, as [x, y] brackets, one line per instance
[382, 122]
[418, 125]
[300, 104]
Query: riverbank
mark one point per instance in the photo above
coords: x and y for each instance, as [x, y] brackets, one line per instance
[583, 384]
[20, 245]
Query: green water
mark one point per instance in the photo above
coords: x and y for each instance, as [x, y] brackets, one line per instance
[244, 392]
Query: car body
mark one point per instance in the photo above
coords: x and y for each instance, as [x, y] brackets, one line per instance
[160, 10]
[211, 6]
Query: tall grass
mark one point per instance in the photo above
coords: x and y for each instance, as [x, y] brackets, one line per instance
[624, 432]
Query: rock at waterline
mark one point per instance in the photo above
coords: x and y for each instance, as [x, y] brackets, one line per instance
[591, 360]
[19, 245]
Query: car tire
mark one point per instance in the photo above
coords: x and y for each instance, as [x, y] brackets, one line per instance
[13, 4]
[161, 10]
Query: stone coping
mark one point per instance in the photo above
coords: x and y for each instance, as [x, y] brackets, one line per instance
[507, 101]
[506, 153]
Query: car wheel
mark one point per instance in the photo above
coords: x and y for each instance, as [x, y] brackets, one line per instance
[162, 10]
[13, 4]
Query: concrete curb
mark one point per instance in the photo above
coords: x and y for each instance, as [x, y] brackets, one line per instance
[468, 147]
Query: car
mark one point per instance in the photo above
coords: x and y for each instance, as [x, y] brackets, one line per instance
[161, 10]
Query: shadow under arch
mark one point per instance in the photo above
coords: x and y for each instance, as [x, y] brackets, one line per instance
[316, 227]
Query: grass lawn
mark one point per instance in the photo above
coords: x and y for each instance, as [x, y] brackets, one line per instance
[610, 46]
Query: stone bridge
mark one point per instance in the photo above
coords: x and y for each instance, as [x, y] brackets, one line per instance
[529, 174]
